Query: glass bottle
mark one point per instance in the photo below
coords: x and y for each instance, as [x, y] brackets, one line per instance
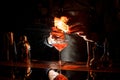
[94, 62]
[24, 56]
[106, 61]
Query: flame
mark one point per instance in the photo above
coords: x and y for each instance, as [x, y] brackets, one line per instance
[61, 23]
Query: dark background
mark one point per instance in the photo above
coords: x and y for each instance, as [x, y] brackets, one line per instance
[34, 18]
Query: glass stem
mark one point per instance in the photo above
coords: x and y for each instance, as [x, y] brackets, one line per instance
[59, 63]
[88, 60]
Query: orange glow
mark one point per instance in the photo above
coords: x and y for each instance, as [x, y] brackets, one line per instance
[61, 23]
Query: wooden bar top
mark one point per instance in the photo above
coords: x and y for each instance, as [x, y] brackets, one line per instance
[75, 66]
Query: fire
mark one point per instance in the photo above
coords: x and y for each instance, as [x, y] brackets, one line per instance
[61, 23]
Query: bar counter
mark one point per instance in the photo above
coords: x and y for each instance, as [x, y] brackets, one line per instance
[76, 66]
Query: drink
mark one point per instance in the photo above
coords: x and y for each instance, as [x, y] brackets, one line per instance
[60, 46]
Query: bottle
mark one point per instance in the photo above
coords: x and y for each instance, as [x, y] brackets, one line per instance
[106, 61]
[12, 47]
[23, 49]
[24, 56]
[94, 62]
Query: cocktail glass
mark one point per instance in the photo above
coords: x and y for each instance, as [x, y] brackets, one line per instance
[60, 44]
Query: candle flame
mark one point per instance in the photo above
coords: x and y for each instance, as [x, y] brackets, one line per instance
[61, 23]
